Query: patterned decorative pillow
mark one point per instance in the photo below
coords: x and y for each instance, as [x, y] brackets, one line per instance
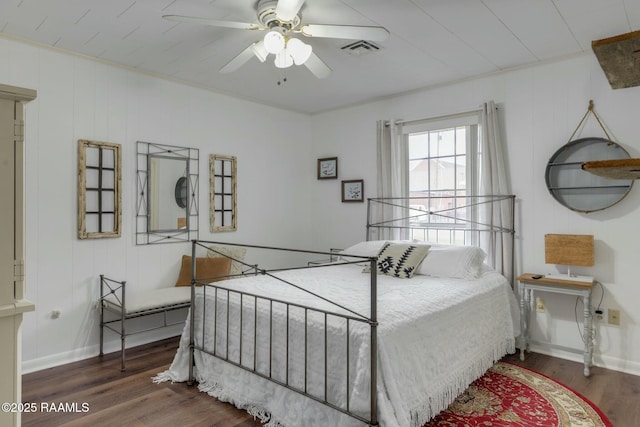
[236, 253]
[401, 259]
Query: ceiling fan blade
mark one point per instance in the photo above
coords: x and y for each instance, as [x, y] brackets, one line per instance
[213, 22]
[286, 10]
[318, 67]
[239, 60]
[355, 32]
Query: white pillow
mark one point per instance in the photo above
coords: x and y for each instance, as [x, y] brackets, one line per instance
[463, 262]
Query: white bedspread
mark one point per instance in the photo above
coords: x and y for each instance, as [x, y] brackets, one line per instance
[435, 337]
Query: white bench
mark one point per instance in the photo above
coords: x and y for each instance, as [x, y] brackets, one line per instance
[115, 298]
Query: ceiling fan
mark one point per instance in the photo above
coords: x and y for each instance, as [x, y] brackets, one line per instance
[281, 21]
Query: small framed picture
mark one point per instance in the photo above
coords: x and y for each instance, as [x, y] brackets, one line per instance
[353, 190]
[328, 168]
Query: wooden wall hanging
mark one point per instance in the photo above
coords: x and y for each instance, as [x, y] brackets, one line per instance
[99, 196]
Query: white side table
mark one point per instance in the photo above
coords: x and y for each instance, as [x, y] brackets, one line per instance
[528, 284]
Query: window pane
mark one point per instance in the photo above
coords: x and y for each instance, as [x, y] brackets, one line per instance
[461, 172]
[108, 158]
[92, 156]
[91, 223]
[442, 143]
[227, 186]
[108, 223]
[108, 179]
[418, 145]
[418, 173]
[108, 201]
[91, 201]
[461, 140]
[92, 178]
[443, 173]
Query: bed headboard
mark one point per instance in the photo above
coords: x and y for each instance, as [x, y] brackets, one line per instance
[486, 221]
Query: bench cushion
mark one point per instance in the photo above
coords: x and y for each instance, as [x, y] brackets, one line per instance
[154, 298]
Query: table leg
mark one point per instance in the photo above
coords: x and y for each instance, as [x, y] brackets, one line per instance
[523, 323]
[588, 334]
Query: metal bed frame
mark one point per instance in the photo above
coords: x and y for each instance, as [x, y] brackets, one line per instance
[481, 220]
[217, 290]
[443, 224]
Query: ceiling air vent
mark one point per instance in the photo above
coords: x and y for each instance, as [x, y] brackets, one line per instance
[360, 47]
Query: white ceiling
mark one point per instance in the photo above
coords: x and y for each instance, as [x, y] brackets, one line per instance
[431, 41]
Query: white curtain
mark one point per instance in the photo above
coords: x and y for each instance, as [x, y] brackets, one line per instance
[393, 177]
[494, 180]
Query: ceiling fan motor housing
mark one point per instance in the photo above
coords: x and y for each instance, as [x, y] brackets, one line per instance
[268, 18]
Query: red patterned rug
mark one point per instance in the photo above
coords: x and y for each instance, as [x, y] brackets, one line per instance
[509, 395]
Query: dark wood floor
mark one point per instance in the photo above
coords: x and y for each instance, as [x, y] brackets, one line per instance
[615, 393]
[131, 399]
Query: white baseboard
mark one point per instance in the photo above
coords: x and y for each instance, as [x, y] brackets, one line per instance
[53, 360]
[599, 360]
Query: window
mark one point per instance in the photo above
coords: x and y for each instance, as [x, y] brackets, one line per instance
[443, 164]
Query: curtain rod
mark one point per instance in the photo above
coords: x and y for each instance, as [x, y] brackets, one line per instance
[446, 116]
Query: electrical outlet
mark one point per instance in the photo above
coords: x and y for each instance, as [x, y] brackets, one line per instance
[539, 305]
[614, 316]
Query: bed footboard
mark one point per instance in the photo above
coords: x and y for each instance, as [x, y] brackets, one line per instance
[287, 343]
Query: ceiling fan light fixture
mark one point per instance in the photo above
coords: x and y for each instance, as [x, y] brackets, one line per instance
[299, 51]
[283, 59]
[260, 51]
[274, 42]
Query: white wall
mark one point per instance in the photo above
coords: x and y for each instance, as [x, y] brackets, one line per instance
[83, 99]
[540, 107]
[279, 197]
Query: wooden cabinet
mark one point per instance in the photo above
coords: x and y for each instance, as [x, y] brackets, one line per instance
[12, 302]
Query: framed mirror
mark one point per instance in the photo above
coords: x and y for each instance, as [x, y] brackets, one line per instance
[167, 194]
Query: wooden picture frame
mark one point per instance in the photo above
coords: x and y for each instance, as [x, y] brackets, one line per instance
[353, 190]
[328, 168]
[223, 208]
[99, 195]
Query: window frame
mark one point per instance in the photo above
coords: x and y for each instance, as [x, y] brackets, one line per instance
[473, 159]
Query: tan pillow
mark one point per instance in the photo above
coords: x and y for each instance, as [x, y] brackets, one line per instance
[207, 270]
[235, 252]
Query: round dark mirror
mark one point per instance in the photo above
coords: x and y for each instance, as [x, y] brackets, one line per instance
[181, 192]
